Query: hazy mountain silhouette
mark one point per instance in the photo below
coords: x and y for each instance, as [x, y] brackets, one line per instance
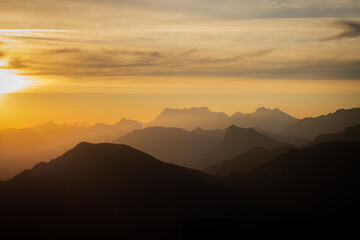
[321, 181]
[247, 161]
[236, 141]
[191, 118]
[272, 120]
[22, 148]
[110, 189]
[173, 145]
[350, 134]
[309, 128]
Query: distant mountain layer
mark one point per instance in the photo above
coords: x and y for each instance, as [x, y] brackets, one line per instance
[173, 145]
[350, 134]
[266, 119]
[247, 161]
[191, 118]
[22, 148]
[237, 141]
[309, 128]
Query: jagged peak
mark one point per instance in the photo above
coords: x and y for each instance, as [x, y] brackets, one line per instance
[263, 109]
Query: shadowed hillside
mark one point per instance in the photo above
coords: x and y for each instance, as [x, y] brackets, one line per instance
[236, 141]
[173, 145]
[247, 161]
[321, 180]
[107, 189]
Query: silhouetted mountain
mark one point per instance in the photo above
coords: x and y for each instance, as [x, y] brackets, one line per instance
[247, 161]
[236, 141]
[110, 189]
[103, 190]
[22, 148]
[273, 120]
[191, 118]
[309, 128]
[350, 134]
[321, 180]
[173, 145]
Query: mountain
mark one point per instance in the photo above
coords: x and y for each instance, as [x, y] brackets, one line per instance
[191, 118]
[247, 161]
[321, 180]
[103, 190]
[173, 145]
[22, 148]
[110, 189]
[273, 120]
[309, 128]
[350, 134]
[237, 141]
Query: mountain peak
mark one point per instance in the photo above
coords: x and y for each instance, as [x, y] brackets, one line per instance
[264, 109]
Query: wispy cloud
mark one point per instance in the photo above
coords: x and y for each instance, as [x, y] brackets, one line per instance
[351, 29]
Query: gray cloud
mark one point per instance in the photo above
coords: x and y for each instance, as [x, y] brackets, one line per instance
[115, 64]
[351, 30]
[110, 14]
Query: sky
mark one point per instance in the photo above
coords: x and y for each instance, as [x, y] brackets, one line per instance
[98, 61]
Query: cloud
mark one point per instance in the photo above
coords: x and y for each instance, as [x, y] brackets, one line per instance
[66, 50]
[351, 30]
[17, 63]
[111, 14]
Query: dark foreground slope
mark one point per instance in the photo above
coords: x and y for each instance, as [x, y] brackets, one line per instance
[106, 189]
[110, 189]
[247, 161]
[350, 134]
[321, 181]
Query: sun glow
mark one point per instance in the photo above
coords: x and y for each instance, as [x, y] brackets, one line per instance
[10, 82]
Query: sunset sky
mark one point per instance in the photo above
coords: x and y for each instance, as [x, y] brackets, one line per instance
[100, 60]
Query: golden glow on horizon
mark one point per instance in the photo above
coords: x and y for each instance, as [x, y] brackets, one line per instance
[10, 82]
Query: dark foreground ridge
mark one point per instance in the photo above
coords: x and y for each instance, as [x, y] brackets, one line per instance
[108, 189]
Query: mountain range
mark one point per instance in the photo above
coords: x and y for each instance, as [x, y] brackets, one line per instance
[309, 128]
[272, 120]
[173, 145]
[103, 189]
[350, 134]
[22, 148]
[235, 142]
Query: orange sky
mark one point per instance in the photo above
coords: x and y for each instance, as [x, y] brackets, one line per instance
[97, 61]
